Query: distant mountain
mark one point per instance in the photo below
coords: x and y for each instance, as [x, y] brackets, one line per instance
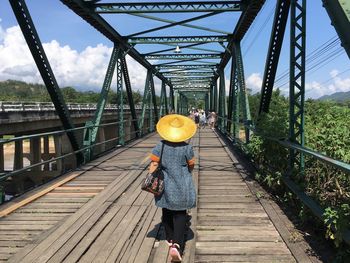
[338, 96]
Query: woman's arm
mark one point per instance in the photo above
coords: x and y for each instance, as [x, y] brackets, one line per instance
[153, 166]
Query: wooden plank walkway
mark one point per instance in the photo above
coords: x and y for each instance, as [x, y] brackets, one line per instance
[99, 214]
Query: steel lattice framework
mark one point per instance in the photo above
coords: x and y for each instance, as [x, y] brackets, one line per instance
[184, 69]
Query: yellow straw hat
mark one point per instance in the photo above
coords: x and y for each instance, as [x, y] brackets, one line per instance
[176, 128]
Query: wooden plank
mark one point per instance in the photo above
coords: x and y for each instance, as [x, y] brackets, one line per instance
[65, 249]
[245, 258]
[91, 236]
[122, 239]
[136, 243]
[148, 242]
[103, 237]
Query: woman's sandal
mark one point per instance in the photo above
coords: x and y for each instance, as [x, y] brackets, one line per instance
[175, 253]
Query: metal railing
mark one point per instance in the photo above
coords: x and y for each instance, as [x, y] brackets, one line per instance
[315, 207]
[8, 106]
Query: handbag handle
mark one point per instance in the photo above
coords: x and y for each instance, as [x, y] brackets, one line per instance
[161, 155]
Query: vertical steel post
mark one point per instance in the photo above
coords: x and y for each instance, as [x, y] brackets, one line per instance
[162, 103]
[90, 133]
[145, 101]
[172, 100]
[33, 41]
[129, 94]
[297, 81]
[215, 97]
[222, 101]
[242, 88]
[120, 96]
[155, 117]
[231, 102]
[166, 101]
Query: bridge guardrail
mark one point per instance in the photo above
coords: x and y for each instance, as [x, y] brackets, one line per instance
[9, 106]
[315, 207]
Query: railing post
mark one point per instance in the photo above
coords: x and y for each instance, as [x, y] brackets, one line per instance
[297, 82]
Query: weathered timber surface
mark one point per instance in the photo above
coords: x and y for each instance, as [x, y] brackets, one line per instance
[101, 215]
[232, 226]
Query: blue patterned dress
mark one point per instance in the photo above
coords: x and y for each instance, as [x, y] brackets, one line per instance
[179, 192]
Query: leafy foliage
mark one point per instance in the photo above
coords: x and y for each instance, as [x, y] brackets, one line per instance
[326, 131]
[13, 90]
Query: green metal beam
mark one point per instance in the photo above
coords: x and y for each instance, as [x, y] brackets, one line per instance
[182, 22]
[297, 82]
[242, 88]
[82, 8]
[167, 7]
[339, 13]
[177, 39]
[183, 56]
[184, 74]
[186, 67]
[272, 59]
[129, 94]
[222, 101]
[90, 134]
[31, 36]
[204, 78]
[120, 96]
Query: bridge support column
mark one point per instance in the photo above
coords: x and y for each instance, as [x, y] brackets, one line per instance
[101, 138]
[18, 155]
[2, 159]
[46, 152]
[35, 153]
[58, 151]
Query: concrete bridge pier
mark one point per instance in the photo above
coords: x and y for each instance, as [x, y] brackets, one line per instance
[2, 159]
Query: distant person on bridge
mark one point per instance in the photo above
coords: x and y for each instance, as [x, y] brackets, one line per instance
[179, 192]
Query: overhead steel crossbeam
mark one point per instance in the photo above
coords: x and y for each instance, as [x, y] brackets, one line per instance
[82, 9]
[184, 56]
[175, 23]
[190, 66]
[243, 24]
[189, 78]
[184, 74]
[168, 7]
[175, 39]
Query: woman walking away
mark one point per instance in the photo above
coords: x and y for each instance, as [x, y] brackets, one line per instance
[179, 192]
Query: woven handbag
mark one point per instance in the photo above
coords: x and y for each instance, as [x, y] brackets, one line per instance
[154, 182]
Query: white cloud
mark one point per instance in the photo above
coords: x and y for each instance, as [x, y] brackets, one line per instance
[254, 82]
[84, 70]
[338, 84]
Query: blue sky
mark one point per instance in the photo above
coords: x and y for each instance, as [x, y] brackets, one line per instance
[71, 41]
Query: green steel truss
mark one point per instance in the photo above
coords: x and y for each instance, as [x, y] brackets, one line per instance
[339, 13]
[186, 67]
[167, 7]
[184, 56]
[177, 39]
[90, 133]
[297, 81]
[31, 36]
[185, 74]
